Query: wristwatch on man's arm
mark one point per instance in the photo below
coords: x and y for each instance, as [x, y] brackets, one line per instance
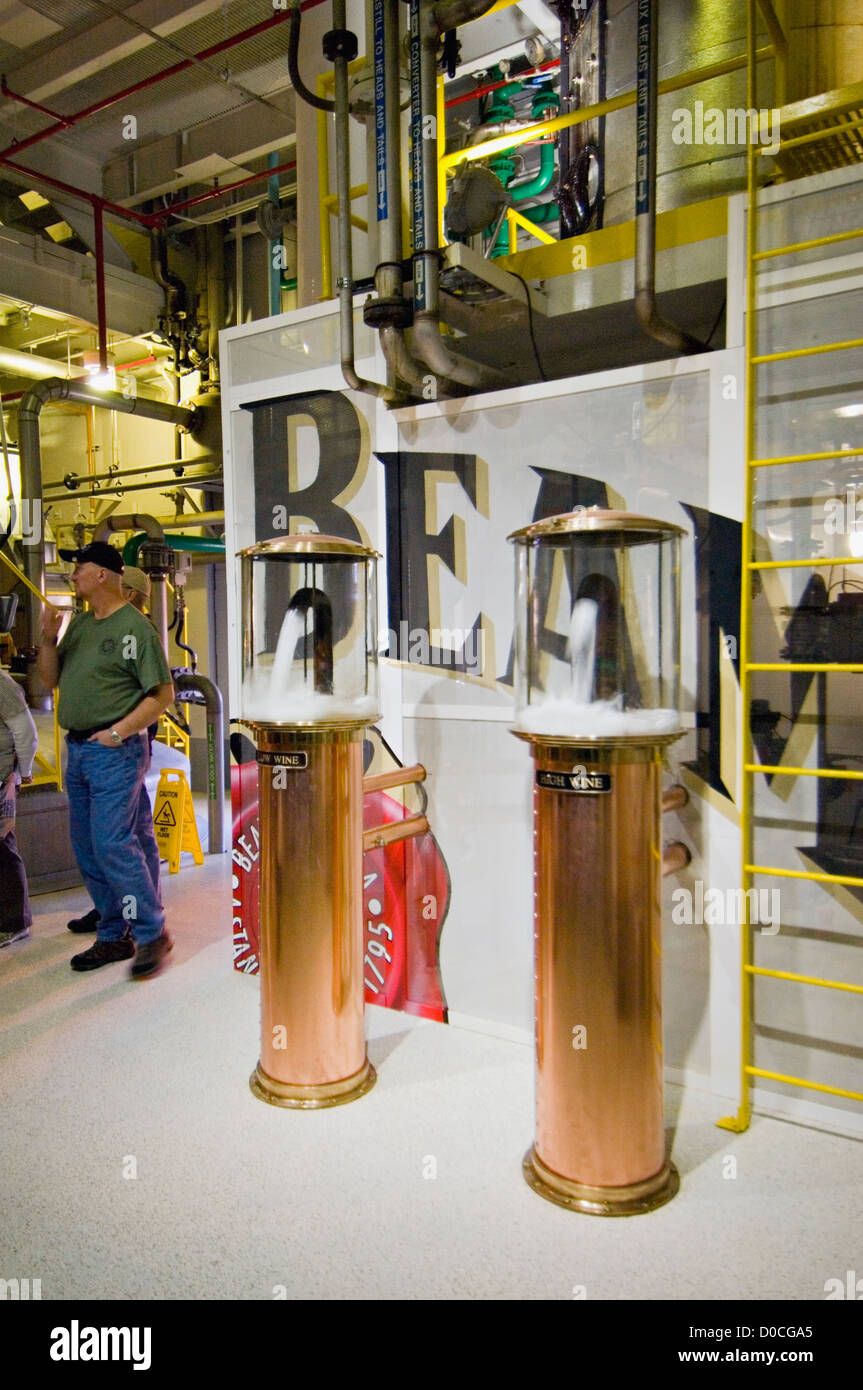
[115, 737]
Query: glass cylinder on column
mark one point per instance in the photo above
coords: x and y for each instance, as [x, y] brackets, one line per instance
[309, 690]
[597, 694]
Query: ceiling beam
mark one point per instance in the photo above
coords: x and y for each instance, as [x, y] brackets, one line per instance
[102, 45]
[241, 135]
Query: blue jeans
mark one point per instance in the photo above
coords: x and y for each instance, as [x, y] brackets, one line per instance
[111, 828]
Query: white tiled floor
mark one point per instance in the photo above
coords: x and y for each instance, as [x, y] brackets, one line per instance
[232, 1197]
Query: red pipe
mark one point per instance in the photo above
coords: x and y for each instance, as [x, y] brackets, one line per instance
[90, 198]
[25, 101]
[101, 314]
[64, 122]
[157, 217]
[146, 219]
[493, 86]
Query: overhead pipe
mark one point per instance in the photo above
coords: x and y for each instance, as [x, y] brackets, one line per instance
[302, 91]
[427, 23]
[30, 455]
[390, 313]
[341, 46]
[175, 288]
[18, 363]
[144, 219]
[72, 481]
[647, 104]
[197, 545]
[503, 82]
[130, 521]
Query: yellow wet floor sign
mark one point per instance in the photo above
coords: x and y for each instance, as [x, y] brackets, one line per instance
[174, 819]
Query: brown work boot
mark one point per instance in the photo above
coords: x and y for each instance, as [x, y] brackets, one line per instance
[150, 958]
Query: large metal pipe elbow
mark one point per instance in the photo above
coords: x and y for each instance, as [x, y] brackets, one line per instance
[130, 521]
[445, 363]
[655, 326]
[451, 14]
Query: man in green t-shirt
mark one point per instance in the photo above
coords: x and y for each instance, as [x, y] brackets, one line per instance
[114, 681]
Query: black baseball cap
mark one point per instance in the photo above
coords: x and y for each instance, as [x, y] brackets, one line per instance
[96, 553]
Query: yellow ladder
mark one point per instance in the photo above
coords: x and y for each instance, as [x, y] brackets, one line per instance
[832, 123]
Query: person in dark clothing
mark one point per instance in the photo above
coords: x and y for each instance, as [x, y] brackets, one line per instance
[18, 741]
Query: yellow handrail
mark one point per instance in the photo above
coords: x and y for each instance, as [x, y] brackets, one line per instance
[740, 1121]
[499, 143]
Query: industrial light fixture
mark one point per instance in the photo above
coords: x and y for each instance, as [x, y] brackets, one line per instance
[103, 380]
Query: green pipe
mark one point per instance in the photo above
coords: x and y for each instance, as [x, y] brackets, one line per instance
[201, 545]
[545, 212]
[275, 281]
[539, 183]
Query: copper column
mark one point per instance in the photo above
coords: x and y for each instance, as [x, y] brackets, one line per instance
[600, 1140]
[313, 1050]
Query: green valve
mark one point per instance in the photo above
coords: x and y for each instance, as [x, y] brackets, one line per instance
[543, 99]
[503, 167]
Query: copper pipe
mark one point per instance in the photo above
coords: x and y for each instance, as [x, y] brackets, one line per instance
[675, 856]
[313, 1050]
[401, 777]
[388, 834]
[674, 797]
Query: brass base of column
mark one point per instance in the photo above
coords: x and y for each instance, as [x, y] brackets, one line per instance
[312, 1097]
[634, 1200]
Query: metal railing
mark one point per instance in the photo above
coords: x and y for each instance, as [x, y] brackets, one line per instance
[829, 113]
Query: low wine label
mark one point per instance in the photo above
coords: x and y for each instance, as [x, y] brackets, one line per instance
[295, 761]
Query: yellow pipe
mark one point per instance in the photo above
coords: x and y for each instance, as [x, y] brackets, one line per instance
[24, 580]
[809, 351]
[796, 246]
[804, 458]
[780, 44]
[521, 221]
[804, 771]
[806, 979]
[323, 194]
[741, 1120]
[808, 1085]
[801, 873]
[830, 667]
[810, 139]
[440, 137]
[804, 564]
[359, 190]
[589, 113]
